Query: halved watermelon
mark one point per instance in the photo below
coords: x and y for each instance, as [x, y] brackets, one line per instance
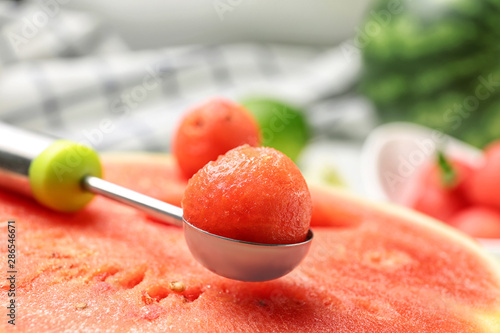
[109, 268]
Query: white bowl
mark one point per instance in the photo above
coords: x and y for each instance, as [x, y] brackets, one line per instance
[393, 154]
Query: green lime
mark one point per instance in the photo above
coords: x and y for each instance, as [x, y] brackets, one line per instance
[282, 126]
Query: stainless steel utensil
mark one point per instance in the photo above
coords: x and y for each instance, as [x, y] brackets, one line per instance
[57, 174]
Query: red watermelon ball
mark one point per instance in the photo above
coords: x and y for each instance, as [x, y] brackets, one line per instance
[253, 194]
[484, 184]
[210, 130]
[478, 221]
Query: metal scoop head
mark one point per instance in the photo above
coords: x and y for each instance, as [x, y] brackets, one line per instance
[227, 257]
[244, 261]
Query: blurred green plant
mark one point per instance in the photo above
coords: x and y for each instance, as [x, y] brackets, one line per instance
[436, 63]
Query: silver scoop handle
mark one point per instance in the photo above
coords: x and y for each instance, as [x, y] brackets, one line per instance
[155, 208]
[18, 149]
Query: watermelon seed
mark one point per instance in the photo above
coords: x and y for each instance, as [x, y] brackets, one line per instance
[81, 306]
[177, 286]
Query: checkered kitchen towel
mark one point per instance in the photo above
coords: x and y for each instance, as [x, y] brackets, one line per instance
[66, 74]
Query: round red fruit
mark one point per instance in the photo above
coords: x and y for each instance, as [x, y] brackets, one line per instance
[484, 185]
[251, 194]
[481, 222]
[454, 177]
[210, 130]
[439, 191]
[437, 202]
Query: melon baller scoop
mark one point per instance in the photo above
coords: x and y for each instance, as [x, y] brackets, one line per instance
[64, 176]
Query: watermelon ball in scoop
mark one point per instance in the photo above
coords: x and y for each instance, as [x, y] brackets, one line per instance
[253, 194]
[210, 130]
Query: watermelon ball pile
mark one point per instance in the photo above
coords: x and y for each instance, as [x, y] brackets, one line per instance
[253, 194]
[461, 195]
[210, 130]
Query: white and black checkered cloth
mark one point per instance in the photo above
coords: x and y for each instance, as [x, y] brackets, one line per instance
[71, 77]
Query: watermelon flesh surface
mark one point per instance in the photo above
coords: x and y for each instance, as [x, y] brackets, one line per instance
[110, 268]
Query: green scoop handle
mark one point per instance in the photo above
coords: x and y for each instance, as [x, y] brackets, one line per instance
[53, 168]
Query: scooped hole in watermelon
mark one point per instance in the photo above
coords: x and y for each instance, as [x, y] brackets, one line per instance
[131, 278]
[102, 273]
[158, 292]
